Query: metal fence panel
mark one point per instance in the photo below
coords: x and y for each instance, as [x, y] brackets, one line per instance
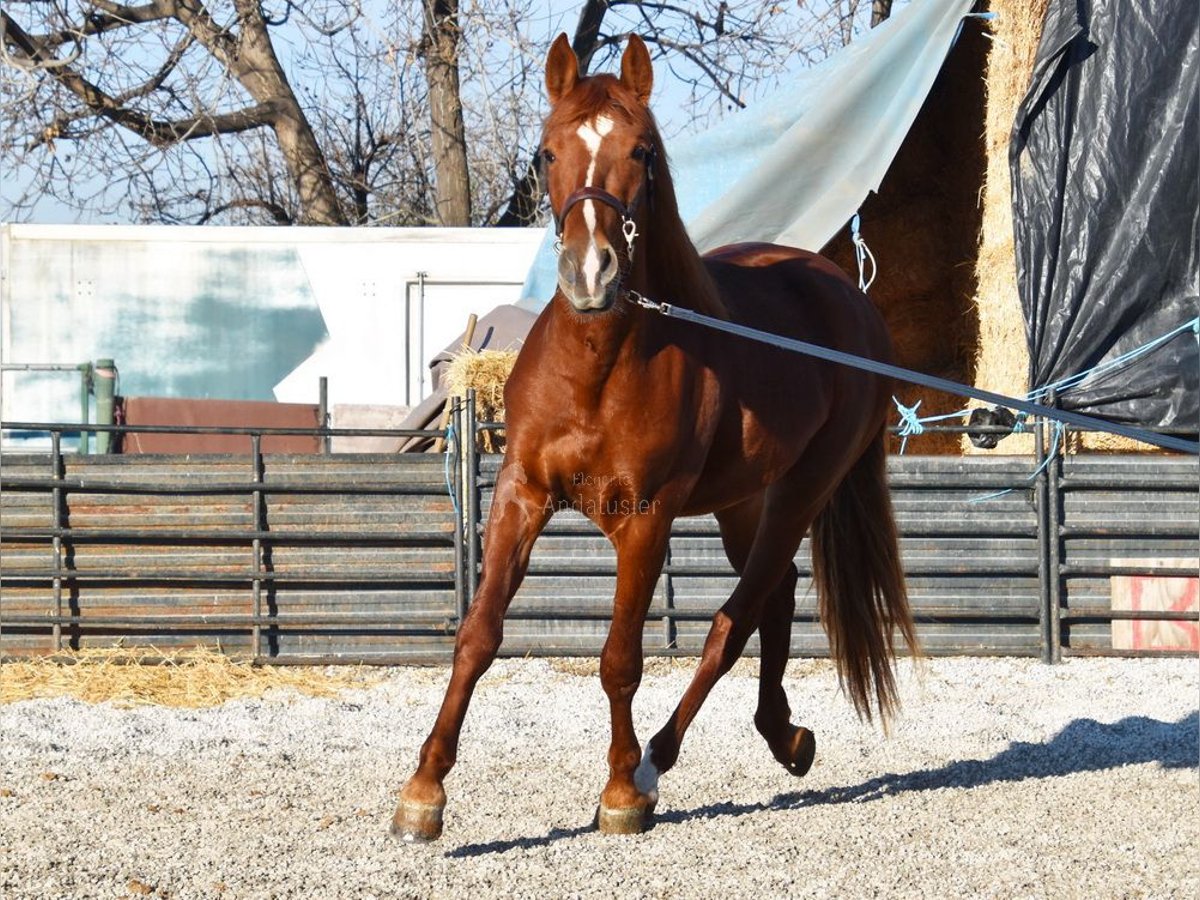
[349, 557]
[273, 556]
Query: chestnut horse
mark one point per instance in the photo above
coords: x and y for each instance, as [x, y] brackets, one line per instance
[636, 419]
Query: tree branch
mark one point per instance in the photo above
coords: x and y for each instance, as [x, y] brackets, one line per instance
[277, 212]
[158, 132]
[113, 16]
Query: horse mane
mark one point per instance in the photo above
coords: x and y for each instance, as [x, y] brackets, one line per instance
[680, 275]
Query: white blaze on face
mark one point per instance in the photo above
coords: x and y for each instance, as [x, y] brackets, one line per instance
[592, 134]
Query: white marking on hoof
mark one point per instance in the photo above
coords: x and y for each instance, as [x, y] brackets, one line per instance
[645, 778]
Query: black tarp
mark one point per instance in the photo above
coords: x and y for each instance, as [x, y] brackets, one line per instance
[1104, 170]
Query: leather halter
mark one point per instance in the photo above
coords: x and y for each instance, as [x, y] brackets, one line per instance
[591, 193]
[625, 211]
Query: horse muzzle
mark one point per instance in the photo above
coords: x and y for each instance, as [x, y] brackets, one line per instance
[589, 280]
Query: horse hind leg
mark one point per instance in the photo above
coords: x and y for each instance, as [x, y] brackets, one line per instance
[793, 746]
[760, 546]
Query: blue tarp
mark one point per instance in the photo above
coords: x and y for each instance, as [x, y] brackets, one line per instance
[793, 168]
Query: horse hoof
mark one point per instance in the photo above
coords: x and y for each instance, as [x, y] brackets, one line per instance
[417, 823]
[803, 750]
[633, 820]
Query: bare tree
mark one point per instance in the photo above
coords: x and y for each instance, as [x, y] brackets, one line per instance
[339, 111]
[439, 48]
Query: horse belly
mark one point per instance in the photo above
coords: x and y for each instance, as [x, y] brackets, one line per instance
[749, 453]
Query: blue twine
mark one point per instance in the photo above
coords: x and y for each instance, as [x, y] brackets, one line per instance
[1073, 381]
[1061, 386]
[909, 423]
[862, 253]
[1053, 452]
[451, 441]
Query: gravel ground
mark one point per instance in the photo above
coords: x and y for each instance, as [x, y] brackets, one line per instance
[1003, 778]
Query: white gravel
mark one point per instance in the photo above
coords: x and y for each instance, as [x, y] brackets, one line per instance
[1003, 778]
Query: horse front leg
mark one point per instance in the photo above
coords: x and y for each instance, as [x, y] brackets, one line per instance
[628, 800]
[519, 512]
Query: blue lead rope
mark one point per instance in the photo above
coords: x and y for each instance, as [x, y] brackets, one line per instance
[451, 445]
[1167, 442]
[911, 425]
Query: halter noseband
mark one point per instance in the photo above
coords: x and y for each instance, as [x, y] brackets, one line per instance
[592, 193]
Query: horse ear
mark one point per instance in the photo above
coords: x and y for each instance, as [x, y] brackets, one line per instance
[637, 73]
[562, 69]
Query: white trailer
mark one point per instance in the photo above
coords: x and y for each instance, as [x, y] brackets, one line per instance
[242, 313]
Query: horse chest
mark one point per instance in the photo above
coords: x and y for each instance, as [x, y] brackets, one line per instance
[607, 459]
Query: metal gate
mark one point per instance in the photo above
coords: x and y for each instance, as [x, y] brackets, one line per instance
[371, 558]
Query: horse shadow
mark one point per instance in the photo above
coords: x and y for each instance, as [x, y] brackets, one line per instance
[1084, 745]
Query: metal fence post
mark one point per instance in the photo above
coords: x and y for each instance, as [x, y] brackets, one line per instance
[256, 547]
[323, 414]
[455, 462]
[668, 620]
[1042, 495]
[1054, 524]
[56, 521]
[471, 496]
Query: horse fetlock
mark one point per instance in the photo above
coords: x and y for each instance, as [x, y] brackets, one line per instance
[645, 776]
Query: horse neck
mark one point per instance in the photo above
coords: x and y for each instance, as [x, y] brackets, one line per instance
[668, 267]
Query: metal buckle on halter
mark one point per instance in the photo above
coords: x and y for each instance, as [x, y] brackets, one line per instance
[629, 230]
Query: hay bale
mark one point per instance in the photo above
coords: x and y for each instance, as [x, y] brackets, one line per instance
[487, 372]
[1002, 355]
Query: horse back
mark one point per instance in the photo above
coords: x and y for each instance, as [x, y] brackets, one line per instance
[800, 294]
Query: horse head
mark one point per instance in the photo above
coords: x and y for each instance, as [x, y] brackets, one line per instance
[598, 153]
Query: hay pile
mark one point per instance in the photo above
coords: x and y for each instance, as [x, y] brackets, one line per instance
[191, 678]
[486, 371]
[1002, 358]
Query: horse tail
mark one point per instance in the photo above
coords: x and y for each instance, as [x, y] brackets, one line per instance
[859, 579]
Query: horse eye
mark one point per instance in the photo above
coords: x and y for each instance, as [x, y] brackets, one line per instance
[548, 157]
[639, 153]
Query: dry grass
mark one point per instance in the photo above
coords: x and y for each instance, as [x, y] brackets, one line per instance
[486, 371]
[188, 678]
[1002, 358]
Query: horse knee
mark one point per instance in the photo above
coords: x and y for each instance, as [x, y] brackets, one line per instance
[479, 639]
[620, 678]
